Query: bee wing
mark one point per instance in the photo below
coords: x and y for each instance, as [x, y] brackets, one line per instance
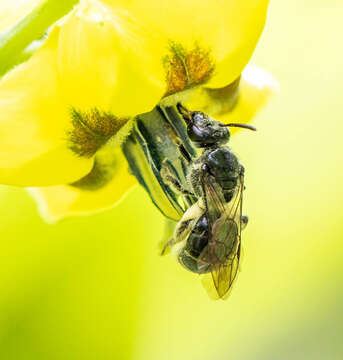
[223, 275]
[213, 197]
[225, 242]
[218, 283]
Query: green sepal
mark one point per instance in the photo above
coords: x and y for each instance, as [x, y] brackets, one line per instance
[155, 139]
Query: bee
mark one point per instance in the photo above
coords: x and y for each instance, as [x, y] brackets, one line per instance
[207, 239]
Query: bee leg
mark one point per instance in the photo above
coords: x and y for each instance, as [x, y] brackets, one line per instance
[167, 238]
[244, 221]
[167, 246]
[169, 178]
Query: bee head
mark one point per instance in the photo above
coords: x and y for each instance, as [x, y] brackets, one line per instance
[202, 130]
[205, 131]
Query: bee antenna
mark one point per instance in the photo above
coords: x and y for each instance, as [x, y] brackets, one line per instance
[186, 114]
[244, 126]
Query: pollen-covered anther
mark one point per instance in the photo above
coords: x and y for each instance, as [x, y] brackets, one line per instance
[187, 68]
[91, 130]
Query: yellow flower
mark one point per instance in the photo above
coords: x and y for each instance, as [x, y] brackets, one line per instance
[66, 111]
[92, 288]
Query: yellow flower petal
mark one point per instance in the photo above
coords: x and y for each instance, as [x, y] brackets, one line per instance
[240, 30]
[257, 86]
[101, 189]
[238, 102]
[33, 125]
[202, 40]
[104, 60]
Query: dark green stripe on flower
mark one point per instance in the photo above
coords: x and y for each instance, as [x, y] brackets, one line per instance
[101, 174]
[153, 142]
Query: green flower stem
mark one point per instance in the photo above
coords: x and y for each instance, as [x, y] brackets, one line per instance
[31, 27]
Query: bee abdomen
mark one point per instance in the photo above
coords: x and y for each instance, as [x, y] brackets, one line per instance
[198, 238]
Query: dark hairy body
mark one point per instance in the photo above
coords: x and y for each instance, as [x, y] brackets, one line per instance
[216, 178]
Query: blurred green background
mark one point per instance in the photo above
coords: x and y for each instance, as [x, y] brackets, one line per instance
[94, 287]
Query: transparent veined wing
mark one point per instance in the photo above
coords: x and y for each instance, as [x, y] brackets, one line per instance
[218, 283]
[223, 250]
[213, 198]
